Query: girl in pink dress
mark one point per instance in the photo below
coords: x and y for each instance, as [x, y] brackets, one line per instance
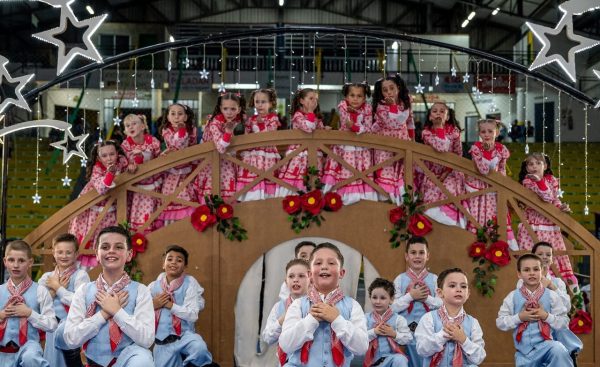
[355, 116]
[140, 147]
[488, 156]
[228, 113]
[394, 118]
[306, 116]
[443, 135]
[179, 132]
[107, 161]
[536, 175]
[264, 101]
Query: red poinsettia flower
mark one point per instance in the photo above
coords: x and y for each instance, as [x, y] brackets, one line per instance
[396, 215]
[139, 242]
[498, 253]
[312, 202]
[224, 211]
[419, 225]
[333, 201]
[291, 204]
[202, 218]
[477, 249]
[581, 323]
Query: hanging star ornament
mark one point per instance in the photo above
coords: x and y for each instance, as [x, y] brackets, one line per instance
[222, 88]
[135, 103]
[466, 78]
[117, 121]
[576, 44]
[598, 76]
[8, 83]
[203, 74]
[66, 181]
[419, 88]
[66, 147]
[437, 80]
[83, 162]
[68, 19]
[453, 71]
[36, 198]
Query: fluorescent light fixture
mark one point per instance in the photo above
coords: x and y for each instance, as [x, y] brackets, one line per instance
[236, 86]
[171, 39]
[281, 2]
[465, 23]
[89, 9]
[395, 45]
[471, 16]
[496, 11]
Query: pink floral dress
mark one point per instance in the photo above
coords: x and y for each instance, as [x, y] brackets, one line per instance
[395, 121]
[262, 158]
[443, 140]
[142, 206]
[546, 230]
[101, 181]
[293, 173]
[178, 140]
[358, 157]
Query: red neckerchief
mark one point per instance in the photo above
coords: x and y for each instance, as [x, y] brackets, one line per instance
[114, 331]
[280, 353]
[16, 296]
[457, 358]
[374, 344]
[487, 154]
[170, 288]
[532, 301]
[337, 349]
[66, 275]
[417, 280]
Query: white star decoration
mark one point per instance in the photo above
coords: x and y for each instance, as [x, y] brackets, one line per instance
[542, 33]
[117, 120]
[152, 83]
[453, 71]
[203, 74]
[437, 80]
[135, 102]
[560, 192]
[586, 210]
[58, 3]
[598, 76]
[91, 25]
[36, 198]
[66, 181]
[222, 88]
[419, 88]
[6, 78]
[466, 78]
[64, 145]
[83, 162]
[478, 93]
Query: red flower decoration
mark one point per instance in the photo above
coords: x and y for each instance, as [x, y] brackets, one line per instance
[581, 323]
[333, 201]
[224, 211]
[498, 253]
[396, 215]
[202, 218]
[419, 225]
[291, 204]
[139, 242]
[477, 249]
[312, 202]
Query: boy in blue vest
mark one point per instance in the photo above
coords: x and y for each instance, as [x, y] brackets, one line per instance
[112, 317]
[415, 291]
[61, 283]
[533, 311]
[25, 310]
[302, 251]
[448, 336]
[324, 328]
[177, 299]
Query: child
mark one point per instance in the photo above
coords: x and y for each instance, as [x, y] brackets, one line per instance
[387, 330]
[449, 336]
[112, 317]
[25, 310]
[228, 113]
[177, 299]
[488, 156]
[141, 147]
[536, 175]
[264, 101]
[108, 160]
[306, 116]
[533, 312]
[297, 280]
[356, 116]
[394, 118]
[302, 251]
[325, 327]
[179, 132]
[443, 135]
[61, 283]
[415, 291]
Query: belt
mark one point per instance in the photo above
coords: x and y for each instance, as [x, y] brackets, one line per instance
[168, 340]
[91, 363]
[11, 348]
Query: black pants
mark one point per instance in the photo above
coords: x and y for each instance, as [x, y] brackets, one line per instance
[72, 357]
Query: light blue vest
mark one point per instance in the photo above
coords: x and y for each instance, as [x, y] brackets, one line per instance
[98, 348]
[11, 332]
[320, 351]
[467, 326]
[384, 345]
[418, 307]
[165, 324]
[59, 307]
[531, 336]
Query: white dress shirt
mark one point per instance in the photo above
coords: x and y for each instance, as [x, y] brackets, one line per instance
[193, 302]
[561, 289]
[65, 296]
[403, 334]
[508, 317]
[46, 319]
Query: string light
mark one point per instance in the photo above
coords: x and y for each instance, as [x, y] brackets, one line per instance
[274, 60]
[525, 110]
[101, 83]
[365, 59]
[222, 71]
[400, 58]
[345, 60]
[560, 191]
[116, 119]
[510, 99]
[314, 58]
[37, 198]
[452, 69]
[301, 85]
[493, 103]
[187, 58]
[477, 90]
[384, 62]
[586, 208]
[256, 65]
[135, 102]
[291, 77]
[544, 118]
[203, 72]
[152, 73]
[419, 88]
[170, 65]
[239, 60]
[437, 75]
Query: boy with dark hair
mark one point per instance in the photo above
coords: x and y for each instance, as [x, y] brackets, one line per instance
[301, 251]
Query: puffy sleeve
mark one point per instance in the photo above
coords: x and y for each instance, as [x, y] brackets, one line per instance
[428, 341]
[438, 143]
[540, 188]
[213, 132]
[101, 180]
[176, 140]
[480, 162]
[305, 122]
[456, 144]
